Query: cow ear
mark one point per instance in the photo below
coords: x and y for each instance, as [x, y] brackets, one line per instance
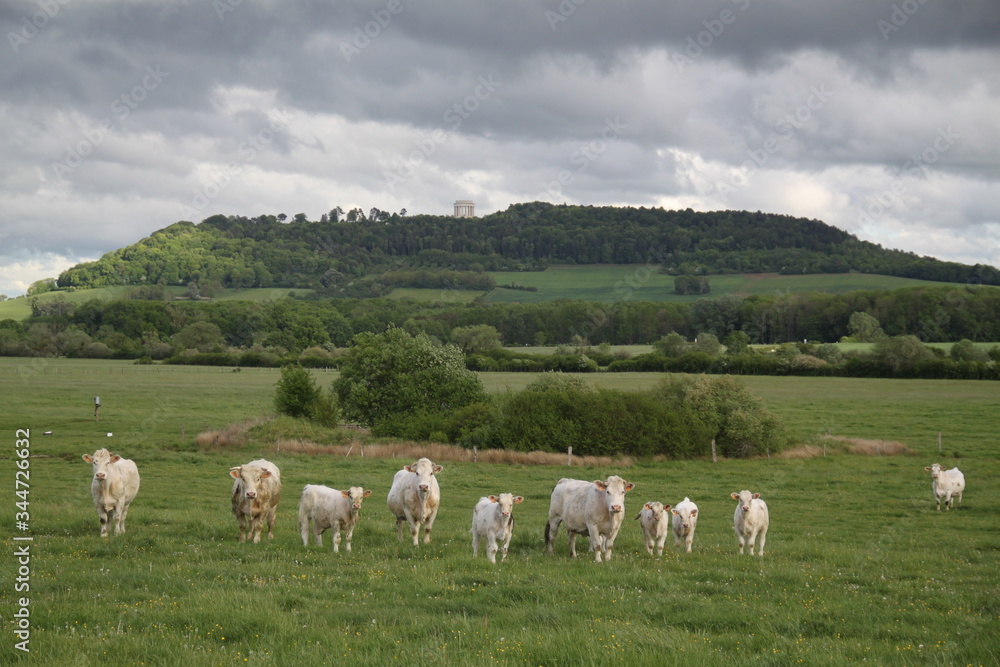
[600, 484]
[675, 512]
[646, 507]
[408, 468]
[90, 459]
[264, 474]
[756, 495]
[115, 458]
[927, 468]
[438, 468]
[666, 507]
[493, 499]
[629, 487]
[345, 494]
[518, 500]
[235, 472]
[694, 512]
[734, 495]
[368, 492]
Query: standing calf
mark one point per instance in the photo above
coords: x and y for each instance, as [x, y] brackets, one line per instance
[256, 493]
[493, 519]
[114, 487]
[653, 518]
[686, 520]
[330, 508]
[595, 508]
[946, 484]
[750, 520]
[414, 497]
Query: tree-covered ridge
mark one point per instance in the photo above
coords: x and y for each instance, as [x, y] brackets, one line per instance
[265, 251]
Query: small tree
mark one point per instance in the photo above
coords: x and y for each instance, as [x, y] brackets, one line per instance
[671, 345]
[476, 338]
[864, 328]
[296, 392]
[392, 375]
[737, 342]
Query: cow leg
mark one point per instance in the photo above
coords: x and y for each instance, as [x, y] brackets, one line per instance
[272, 514]
[491, 548]
[348, 535]
[596, 543]
[318, 534]
[551, 530]
[506, 544]
[763, 539]
[336, 540]
[304, 528]
[688, 542]
[572, 542]
[399, 529]
[102, 514]
[740, 540]
[475, 543]
[121, 513]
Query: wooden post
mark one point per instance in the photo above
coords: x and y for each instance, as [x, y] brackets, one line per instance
[475, 454]
[182, 432]
[97, 407]
[569, 457]
[714, 459]
[939, 442]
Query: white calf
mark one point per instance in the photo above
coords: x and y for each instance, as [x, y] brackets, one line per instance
[114, 487]
[330, 508]
[750, 520]
[414, 498]
[685, 521]
[653, 518]
[256, 492]
[946, 484]
[595, 508]
[493, 519]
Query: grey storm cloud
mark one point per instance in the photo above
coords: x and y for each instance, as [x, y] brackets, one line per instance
[123, 116]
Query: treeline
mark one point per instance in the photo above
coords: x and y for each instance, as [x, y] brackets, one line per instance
[266, 251]
[134, 327]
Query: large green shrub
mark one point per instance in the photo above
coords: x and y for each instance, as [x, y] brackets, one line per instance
[296, 392]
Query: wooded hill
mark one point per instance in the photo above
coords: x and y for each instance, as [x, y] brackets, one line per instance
[391, 250]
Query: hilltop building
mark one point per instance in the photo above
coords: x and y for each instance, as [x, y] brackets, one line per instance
[465, 208]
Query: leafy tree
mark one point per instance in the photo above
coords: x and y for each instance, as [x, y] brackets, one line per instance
[296, 392]
[201, 336]
[864, 328]
[966, 350]
[393, 374]
[671, 345]
[738, 419]
[900, 353]
[737, 343]
[709, 344]
[41, 286]
[476, 338]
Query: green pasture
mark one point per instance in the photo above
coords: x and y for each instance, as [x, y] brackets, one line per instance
[859, 567]
[19, 308]
[638, 282]
[436, 296]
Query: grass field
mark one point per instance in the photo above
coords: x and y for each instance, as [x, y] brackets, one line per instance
[608, 283]
[859, 565]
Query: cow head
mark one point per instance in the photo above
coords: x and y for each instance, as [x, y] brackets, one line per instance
[745, 498]
[424, 470]
[657, 508]
[251, 477]
[614, 489]
[686, 513]
[356, 494]
[507, 502]
[101, 459]
[934, 470]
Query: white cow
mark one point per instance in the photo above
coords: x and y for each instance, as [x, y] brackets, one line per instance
[750, 520]
[946, 484]
[256, 493]
[653, 517]
[414, 497]
[493, 519]
[685, 521]
[114, 487]
[330, 508]
[595, 508]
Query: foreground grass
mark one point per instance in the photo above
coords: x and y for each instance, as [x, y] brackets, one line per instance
[859, 564]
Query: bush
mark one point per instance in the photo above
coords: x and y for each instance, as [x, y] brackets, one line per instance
[296, 392]
[738, 420]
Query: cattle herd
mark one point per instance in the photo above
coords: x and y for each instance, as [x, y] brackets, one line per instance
[593, 508]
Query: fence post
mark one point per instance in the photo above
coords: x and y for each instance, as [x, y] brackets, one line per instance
[939, 443]
[714, 460]
[475, 454]
[569, 456]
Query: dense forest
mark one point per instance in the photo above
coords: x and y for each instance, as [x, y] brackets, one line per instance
[390, 249]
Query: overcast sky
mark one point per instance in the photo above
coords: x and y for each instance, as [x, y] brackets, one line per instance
[120, 117]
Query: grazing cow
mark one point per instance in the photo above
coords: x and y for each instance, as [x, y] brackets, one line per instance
[115, 484]
[493, 519]
[330, 508]
[595, 508]
[946, 484]
[256, 493]
[685, 521]
[655, 525]
[414, 497]
[750, 520]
